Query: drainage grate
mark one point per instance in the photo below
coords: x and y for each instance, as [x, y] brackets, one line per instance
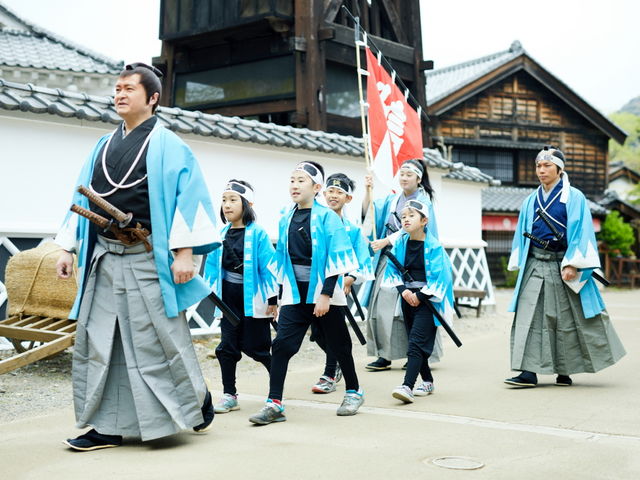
[457, 463]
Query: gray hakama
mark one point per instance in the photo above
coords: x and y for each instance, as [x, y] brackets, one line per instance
[550, 334]
[135, 371]
[386, 333]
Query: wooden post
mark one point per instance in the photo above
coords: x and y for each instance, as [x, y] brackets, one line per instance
[310, 65]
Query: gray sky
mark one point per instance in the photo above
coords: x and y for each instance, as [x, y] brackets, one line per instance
[591, 45]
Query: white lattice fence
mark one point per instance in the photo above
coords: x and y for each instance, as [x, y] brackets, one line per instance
[471, 270]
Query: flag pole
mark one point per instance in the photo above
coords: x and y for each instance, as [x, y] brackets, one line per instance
[365, 135]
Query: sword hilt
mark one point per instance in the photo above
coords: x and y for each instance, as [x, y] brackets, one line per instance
[91, 216]
[123, 218]
[544, 243]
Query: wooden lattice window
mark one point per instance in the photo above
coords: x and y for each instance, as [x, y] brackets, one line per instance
[502, 108]
[526, 110]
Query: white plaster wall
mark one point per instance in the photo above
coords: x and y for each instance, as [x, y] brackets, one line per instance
[40, 159]
[459, 211]
[41, 156]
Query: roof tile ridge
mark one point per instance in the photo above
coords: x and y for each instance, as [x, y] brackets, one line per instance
[36, 30]
[115, 64]
[475, 61]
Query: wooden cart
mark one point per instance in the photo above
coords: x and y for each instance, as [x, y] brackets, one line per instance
[35, 338]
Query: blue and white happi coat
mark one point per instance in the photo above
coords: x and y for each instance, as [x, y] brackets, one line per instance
[361, 248]
[582, 249]
[382, 208]
[259, 283]
[182, 216]
[331, 254]
[438, 273]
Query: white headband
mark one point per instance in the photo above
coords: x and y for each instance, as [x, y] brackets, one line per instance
[312, 171]
[416, 205]
[242, 190]
[548, 155]
[339, 184]
[412, 168]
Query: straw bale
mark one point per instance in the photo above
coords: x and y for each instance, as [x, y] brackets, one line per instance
[33, 287]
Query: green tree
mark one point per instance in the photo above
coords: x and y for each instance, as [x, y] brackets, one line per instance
[629, 153]
[617, 235]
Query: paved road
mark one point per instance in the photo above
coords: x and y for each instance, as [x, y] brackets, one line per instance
[588, 431]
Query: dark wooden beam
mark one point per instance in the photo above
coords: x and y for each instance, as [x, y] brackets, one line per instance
[391, 50]
[412, 9]
[396, 21]
[275, 106]
[310, 64]
[331, 9]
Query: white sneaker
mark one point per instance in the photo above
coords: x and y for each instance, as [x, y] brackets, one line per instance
[403, 393]
[424, 389]
[226, 403]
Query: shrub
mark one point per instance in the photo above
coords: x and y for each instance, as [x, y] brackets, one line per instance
[510, 276]
[617, 235]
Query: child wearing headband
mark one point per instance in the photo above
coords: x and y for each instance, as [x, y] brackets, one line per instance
[386, 338]
[431, 281]
[238, 273]
[337, 193]
[312, 254]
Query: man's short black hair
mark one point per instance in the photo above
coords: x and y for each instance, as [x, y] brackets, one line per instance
[149, 79]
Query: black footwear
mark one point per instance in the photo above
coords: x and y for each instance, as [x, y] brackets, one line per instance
[525, 379]
[207, 414]
[93, 440]
[563, 381]
[404, 367]
[379, 364]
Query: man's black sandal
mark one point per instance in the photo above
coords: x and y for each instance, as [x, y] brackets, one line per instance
[93, 440]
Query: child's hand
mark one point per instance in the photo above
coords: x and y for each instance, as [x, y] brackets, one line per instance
[322, 305]
[272, 311]
[380, 244]
[411, 298]
[348, 281]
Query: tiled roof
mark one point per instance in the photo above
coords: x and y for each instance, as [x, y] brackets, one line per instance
[35, 47]
[611, 198]
[29, 98]
[509, 199]
[444, 81]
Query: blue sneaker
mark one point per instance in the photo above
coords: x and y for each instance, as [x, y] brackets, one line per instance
[227, 403]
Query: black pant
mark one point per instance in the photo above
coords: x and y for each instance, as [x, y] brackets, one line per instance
[330, 363]
[293, 322]
[422, 335]
[251, 337]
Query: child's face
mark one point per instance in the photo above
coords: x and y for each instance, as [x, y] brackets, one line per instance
[412, 220]
[302, 189]
[408, 180]
[336, 198]
[232, 206]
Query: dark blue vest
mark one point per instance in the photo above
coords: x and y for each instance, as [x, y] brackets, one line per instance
[557, 212]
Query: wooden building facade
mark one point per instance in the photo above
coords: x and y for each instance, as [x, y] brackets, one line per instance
[495, 113]
[289, 62]
[506, 107]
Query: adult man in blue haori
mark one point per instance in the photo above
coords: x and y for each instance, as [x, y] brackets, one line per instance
[561, 325]
[135, 371]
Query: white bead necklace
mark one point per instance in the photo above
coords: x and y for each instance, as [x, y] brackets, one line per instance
[122, 185]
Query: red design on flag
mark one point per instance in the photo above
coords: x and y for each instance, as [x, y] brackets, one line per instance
[394, 127]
